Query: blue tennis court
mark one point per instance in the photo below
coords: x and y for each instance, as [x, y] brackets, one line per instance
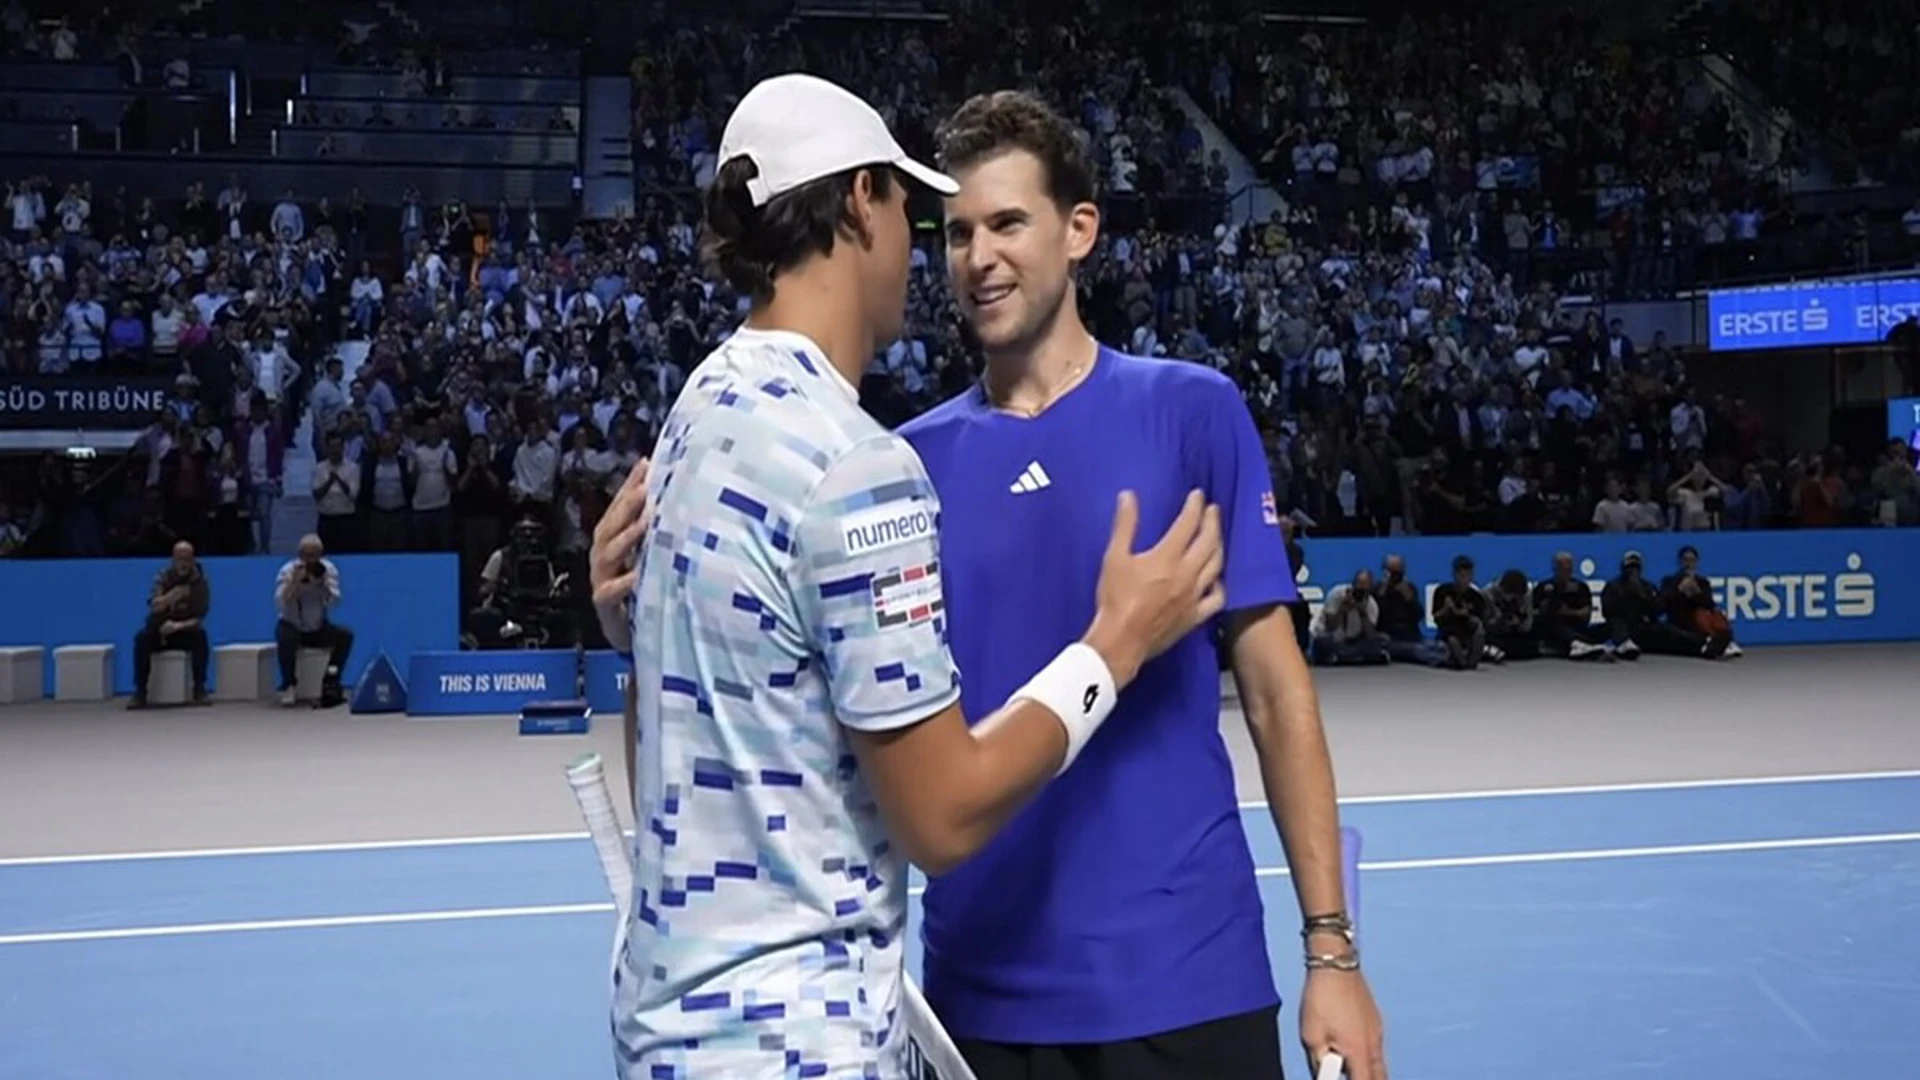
[1745, 929]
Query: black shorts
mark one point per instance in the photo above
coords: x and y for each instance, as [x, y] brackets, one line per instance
[1241, 1047]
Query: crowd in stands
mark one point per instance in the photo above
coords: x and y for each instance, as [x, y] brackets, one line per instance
[1394, 324]
[1850, 72]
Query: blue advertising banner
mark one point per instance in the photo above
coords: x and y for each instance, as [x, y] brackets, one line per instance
[394, 604]
[1903, 421]
[1810, 313]
[606, 683]
[1792, 587]
[488, 683]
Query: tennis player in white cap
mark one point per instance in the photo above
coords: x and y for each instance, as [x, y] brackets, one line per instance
[799, 726]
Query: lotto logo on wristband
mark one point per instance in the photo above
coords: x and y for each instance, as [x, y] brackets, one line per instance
[907, 596]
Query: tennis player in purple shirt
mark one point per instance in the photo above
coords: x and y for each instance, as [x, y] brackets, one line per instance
[1114, 930]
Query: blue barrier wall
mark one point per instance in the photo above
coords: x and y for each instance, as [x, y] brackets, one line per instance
[1792, 587]
[397, 604]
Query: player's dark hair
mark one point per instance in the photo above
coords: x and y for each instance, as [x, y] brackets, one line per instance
[989, 125]
[750, 245]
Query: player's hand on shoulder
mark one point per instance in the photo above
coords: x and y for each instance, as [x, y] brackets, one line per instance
[1149, 600]
[612, 564]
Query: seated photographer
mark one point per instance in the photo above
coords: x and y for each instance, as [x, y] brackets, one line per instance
[176, 616]
[1563, 611]
[304, 593]
[518, 585]
[1460, 613]
[1635, 617]
[1347, 630]
[1401, 615]
[1687, 596]
[1510, 625]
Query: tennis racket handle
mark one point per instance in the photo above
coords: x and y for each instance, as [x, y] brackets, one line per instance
[1331, 1067]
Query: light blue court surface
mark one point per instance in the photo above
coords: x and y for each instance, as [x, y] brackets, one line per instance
[1741, 931]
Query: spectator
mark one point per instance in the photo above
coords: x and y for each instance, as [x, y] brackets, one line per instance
[1460, 613]
[1564, 605]
[1896, 487]
[336, 495]
[304, 595]
[1347, 630]
[1636, 617]
[1401, 614]
[176, 616]
[1687, 596]
[1511, 634]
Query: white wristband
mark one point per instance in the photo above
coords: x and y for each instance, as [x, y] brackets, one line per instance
[1079, 690]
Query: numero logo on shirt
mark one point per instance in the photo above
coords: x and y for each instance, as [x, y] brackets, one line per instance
[1092, 695]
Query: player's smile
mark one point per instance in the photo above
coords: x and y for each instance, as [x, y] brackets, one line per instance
[985, 298]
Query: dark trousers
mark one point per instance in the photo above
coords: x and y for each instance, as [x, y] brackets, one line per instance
[1558, 636]
[192, 641]
[333, 637]
[1656, 637]
[1241, 1047]
[1466, 634]
[1516, 646]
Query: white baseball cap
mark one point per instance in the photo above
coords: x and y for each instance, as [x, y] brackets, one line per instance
[798, 128]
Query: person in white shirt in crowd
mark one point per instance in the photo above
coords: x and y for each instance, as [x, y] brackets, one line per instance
[73, 209]
[304, 596]
[1697, 497]
[434, 467]
[165, 327]
[288, 223]
[536, 465]
[86, 326]
[1688, 422]
[386, 490]
[1614, 514]
[27, 207]
[328, 398]
[336, 495]
[365, 296]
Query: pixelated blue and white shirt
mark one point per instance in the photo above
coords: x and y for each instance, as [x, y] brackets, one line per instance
[789, 587]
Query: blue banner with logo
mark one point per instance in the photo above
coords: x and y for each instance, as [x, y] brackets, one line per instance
[1778, 588]
[488, 683]
[1903, 421]
[607, 683]
[1810, 313]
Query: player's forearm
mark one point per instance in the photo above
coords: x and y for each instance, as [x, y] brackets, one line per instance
[1297, 773]
[1014, 753]
[945, 790]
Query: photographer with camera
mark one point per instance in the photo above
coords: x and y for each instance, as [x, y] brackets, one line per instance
[304, 593]
[520, 592]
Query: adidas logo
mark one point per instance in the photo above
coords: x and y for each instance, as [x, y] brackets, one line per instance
[1033, 478]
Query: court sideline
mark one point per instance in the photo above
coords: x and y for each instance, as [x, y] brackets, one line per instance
[240, 777]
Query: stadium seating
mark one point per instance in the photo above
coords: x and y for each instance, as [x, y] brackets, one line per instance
[1373, 250]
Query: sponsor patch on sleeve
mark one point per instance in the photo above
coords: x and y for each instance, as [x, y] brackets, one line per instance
[888, 525]
[907, 596]
[1269, 508]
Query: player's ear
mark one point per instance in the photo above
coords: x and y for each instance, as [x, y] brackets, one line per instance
[862, 206]
[1083, 230]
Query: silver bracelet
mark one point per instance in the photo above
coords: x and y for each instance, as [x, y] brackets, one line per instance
[1346, 961]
